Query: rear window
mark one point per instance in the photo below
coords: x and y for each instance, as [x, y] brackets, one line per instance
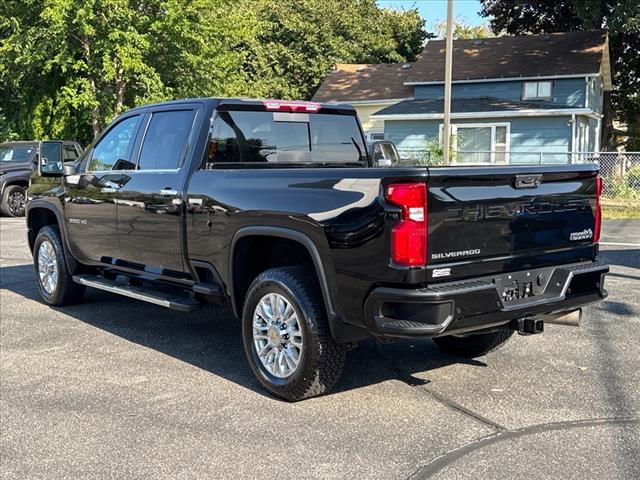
[282, 137]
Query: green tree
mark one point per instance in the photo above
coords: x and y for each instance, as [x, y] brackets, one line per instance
[68, 67]
[464, 31]
[299, 41]
[622, 20]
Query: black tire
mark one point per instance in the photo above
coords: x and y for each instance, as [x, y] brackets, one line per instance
[322, 359]
[66, 291]
[472, 346]
[13, 202]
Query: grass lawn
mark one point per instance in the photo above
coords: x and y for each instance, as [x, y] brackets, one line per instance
[620, 209]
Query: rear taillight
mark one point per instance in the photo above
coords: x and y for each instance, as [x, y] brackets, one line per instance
[289, 106]
[598, 222]
[409, 237]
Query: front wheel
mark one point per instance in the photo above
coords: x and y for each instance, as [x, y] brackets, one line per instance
[54, 279]
[475, 345]
[14, 200]
[286, 335]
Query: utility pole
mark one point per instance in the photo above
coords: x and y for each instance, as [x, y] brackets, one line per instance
[446, 128]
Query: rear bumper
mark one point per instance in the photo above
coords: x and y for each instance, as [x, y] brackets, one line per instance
[480, 303]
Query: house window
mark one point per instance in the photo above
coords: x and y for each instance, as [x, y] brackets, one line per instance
[373, 136]
[480, 142]
[536, 90]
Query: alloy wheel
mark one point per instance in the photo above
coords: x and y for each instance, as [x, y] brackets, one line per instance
[47, 267]
[16, 202]
[277, 337]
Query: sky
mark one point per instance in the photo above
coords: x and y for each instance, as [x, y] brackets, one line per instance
[435, 11]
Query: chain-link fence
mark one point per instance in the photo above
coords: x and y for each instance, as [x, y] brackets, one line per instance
[619, 170]
[621, 174]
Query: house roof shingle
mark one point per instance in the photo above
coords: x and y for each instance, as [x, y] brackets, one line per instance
[465, 105]
[570, 53]
[364, 82]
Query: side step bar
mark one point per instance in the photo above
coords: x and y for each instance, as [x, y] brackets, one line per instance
[157, 297]
[210, 290]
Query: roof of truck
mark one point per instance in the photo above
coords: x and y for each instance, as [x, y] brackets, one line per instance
[253, 102]
[33, 142]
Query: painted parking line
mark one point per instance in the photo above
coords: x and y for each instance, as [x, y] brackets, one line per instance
[621, 244]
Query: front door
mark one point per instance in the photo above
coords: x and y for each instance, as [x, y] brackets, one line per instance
[90, 203]
[149, 204]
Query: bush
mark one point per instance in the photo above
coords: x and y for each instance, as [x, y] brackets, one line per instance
[633, 177]
[430, 153]
[624, 187]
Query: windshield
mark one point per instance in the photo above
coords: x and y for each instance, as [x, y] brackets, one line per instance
[248, 136]
[16, 153]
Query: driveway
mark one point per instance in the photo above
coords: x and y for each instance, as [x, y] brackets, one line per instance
[115, 388]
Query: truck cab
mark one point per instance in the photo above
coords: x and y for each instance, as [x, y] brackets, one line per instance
[279, 208]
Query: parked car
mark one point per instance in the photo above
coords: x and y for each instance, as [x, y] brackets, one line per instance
[17, 162]
[277, 207]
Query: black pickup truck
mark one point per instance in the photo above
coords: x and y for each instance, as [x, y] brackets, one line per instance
[277, 207]
[19, 159]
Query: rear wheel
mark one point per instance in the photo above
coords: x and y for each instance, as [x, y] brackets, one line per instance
[472, 346]
[54, 279]
[286, 335]
[14, 200]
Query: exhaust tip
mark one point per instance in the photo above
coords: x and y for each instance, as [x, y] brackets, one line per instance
[571, 319]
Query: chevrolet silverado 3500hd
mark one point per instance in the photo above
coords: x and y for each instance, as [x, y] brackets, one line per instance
[277, 207]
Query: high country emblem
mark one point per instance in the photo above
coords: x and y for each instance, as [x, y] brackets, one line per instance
[585, 234]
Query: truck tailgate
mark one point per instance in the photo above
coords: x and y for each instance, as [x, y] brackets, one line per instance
[509, 216]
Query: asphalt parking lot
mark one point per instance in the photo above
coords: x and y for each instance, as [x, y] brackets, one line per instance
[116, 388]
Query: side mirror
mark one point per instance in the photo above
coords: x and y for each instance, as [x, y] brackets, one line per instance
[384, 154]
[50, 159]
[49, 168]
[69, 169]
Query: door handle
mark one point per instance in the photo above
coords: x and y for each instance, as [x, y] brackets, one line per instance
[528, 181]
[108, 186]
[169, 192]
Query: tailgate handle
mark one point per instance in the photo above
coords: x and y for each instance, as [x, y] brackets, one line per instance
[528, 181]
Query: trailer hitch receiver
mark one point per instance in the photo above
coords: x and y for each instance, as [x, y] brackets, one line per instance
[528, 326]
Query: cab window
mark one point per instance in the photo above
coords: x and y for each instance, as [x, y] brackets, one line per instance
[268, 137]
[69, 153]
[113, 150]
[165, 141]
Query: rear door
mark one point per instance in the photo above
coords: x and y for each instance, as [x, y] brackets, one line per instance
[485, 219]
[149, 204]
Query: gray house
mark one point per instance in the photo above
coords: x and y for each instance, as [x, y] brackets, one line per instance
[514, 99]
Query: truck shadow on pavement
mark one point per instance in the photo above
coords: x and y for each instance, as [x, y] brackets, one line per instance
[624, 257]
[210, 339]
